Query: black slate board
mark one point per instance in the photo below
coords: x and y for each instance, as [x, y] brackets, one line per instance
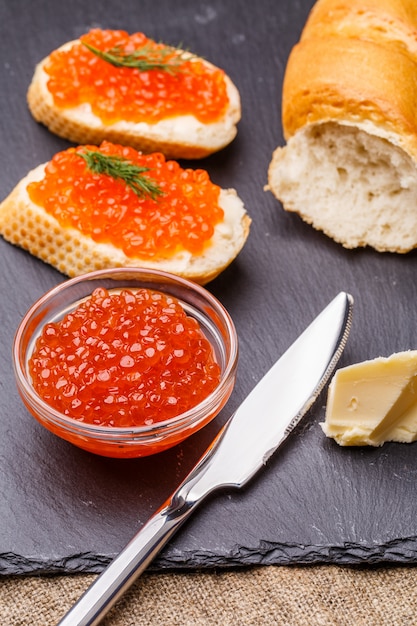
[65, 510]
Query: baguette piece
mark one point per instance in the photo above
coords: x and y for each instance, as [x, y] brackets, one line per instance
[28, 225]
[176, 136]
[349, 167]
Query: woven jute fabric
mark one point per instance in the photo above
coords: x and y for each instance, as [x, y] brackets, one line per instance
[281, 595]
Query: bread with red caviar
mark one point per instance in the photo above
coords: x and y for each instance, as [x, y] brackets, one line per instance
[99, 88]
[349, 166]
[78, 216]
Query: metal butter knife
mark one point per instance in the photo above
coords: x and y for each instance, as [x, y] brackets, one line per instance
[253, 433]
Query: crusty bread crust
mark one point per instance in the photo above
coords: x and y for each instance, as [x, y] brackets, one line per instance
[349, 95]
[345, 83]
[176, 137]
[389, 22]
[29, 226]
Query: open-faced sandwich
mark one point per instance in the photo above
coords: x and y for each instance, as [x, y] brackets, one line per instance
[94, 207]
[128, 89]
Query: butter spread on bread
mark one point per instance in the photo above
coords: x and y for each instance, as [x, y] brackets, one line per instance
[349, 166]
[94, 89]
[81, 216]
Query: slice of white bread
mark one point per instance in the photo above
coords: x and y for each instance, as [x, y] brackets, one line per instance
[181, 136]
[349, 167]
[29, 226]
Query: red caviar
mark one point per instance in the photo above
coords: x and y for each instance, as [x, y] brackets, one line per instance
[78, 76]
[183, 217]
[124, 359]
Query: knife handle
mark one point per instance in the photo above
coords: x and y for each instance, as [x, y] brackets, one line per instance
[129, 564]
[104, 592]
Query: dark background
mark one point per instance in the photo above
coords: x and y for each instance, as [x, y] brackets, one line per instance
[65, 510]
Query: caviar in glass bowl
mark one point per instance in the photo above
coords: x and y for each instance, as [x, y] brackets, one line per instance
[125, 362]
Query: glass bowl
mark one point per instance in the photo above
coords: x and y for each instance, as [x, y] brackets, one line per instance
[135, 441]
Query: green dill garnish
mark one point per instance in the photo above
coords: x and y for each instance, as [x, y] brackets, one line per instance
[167, 59]
[121, 168]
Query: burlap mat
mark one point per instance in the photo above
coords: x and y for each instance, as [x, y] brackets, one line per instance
[290, 596]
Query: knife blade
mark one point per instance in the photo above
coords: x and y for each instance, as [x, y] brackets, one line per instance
[243, 446]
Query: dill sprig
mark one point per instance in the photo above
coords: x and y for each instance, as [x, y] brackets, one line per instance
[120, 168]
[167, 58]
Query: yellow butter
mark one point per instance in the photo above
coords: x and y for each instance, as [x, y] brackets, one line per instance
[405, 431]
[375, 401]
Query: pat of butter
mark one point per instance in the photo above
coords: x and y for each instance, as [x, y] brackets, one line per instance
[375, 401]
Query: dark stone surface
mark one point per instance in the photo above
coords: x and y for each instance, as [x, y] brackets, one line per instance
[64, 510]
